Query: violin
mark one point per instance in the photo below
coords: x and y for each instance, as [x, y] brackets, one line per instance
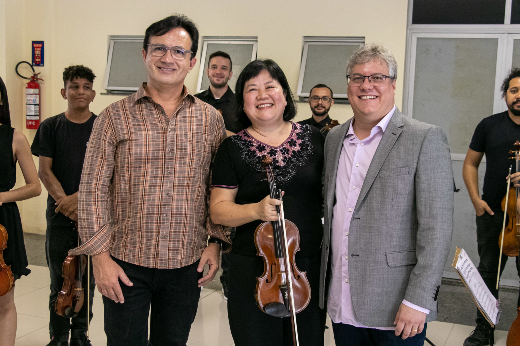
[329, 126]
[282, 290]
[513, 336]
[71, 297]
[509, 240]
[6, 275]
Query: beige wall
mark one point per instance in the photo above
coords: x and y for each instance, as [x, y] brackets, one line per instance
[75, 32]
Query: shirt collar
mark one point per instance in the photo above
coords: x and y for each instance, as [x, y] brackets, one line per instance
[228, 95]
[141, 93]
[381, 125]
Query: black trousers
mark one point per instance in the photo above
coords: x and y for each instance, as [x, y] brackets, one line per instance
[173, 295]
[59, 240]
[250, 326]
[224, 264]
[347, 335]
[488, 233]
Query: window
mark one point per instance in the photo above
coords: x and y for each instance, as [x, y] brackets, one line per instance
[458, 53]
[242, 51]
[324, 60]
[125, 71]
[458, 11]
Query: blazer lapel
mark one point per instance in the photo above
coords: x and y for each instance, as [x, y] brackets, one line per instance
[392, 132]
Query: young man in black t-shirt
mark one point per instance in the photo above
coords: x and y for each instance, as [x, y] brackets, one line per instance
[494, 137]
[61, 143]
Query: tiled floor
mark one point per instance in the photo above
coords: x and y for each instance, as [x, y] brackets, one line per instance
[209, 329]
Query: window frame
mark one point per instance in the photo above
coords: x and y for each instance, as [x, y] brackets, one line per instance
[110, 50]
[324, 40]
[222, 40]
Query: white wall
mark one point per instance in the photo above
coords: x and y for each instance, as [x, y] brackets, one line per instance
[75, 32]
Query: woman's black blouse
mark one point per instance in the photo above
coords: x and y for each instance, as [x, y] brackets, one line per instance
[297, 167]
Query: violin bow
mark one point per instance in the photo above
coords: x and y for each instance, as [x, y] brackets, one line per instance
[289, 275]
[86, 289]
[503, 227]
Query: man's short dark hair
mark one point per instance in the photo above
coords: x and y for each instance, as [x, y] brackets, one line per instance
[177, 21]
[515, 73]
[5, 116]
[77, 71]
[222, 54]
[252, 70]
[321, 86]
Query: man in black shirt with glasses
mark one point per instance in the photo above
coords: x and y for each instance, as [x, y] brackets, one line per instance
[320, 101]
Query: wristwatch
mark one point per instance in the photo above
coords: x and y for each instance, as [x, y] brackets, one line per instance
[215, 240]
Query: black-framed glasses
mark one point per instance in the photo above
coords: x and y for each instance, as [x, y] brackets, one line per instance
[159, 50]
[358, 79]
[317, 99]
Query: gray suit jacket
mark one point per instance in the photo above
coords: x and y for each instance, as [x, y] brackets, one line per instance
[401, 228]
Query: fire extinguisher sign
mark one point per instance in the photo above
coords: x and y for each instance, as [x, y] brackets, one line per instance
[37, 53]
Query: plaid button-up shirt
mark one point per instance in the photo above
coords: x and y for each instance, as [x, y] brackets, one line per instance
[144, 189]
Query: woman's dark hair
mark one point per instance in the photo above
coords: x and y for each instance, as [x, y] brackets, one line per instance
[5, 116]
[252, 70]
[178, 21]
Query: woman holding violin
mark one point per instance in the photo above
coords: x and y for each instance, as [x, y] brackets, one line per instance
[241, 197]
[13, 148]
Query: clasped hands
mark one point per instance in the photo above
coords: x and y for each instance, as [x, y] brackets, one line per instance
[68, 206]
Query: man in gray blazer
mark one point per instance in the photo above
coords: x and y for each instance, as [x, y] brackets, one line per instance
[388, 184]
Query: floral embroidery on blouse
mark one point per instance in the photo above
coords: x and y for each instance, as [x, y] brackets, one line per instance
[287, 157]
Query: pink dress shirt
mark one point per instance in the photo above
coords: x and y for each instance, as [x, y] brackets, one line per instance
[355, 158]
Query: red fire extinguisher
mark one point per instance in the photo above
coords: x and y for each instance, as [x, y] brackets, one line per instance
[32, 98]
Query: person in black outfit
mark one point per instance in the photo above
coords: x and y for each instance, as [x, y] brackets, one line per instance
[320, 101]
[219, 94]
[240, 198]
[61, 142]
[494, 137]
[14, 147]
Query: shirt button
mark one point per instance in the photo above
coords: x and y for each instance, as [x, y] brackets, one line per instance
[350, 209]
[169, 172]
[362, 144]
[357, 164]
[346, 257]
[164, 215]
[353, 187]
[346, 280]
[346, 234]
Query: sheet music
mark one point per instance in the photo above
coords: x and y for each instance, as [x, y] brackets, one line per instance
[474, 282]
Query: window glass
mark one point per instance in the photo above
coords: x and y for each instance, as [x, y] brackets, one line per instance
[124, 55]
[454, 85]
[326, 62]
[458, 11]
[516, 53]
[515, 12]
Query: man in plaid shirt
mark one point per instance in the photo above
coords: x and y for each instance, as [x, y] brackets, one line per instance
[143, 200]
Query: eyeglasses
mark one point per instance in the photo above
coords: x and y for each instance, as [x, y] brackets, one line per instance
[357, 79]
[325, 99]
[159, 50]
